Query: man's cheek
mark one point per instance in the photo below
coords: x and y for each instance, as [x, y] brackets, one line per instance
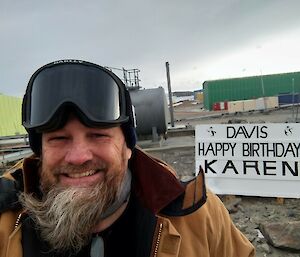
[48, 180]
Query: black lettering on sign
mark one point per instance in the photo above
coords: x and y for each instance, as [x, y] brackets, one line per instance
[259, 168]
[250, 165]
[242, 132]
[207, 166]
[230, 166]
[215, 149]
[267, 167]
[271, 149]
[294, 172]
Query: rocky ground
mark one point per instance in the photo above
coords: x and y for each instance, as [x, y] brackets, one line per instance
[271, 224]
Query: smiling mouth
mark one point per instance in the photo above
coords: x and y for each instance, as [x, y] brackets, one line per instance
[82, 174]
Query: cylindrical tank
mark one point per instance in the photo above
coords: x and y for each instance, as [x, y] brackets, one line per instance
[216, 106]
[288, 99]
[151, 110]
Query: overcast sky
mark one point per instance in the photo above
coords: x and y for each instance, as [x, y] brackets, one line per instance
[202, 40]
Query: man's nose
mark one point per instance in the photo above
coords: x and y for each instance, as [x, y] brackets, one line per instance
[78, 153]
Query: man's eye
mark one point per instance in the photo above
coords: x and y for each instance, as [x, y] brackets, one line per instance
[57, 138]
[98, 135]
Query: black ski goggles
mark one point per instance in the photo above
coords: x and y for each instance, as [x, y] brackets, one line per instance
[96, 94]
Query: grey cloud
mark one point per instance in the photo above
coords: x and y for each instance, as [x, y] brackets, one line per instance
[132, 34]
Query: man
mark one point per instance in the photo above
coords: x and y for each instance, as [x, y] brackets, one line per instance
[89, 191]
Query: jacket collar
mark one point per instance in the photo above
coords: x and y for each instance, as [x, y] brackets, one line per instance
[155, 182]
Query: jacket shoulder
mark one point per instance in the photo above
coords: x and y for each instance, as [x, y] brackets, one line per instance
[191, 200]
[11, 184]
[209, 229]
[224, 236]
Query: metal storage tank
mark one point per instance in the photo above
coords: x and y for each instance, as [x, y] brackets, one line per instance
[235, 106]
[199, 97]
[220, 106]
[151, 110]
[249, 105]
[224, 105]
[249, 87]
[286, 99]
[260, 104]
[217, 106]
[271, 102]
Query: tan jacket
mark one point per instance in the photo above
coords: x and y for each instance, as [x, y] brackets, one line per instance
[200, 227]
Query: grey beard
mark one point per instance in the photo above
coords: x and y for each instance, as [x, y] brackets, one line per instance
[66, 217]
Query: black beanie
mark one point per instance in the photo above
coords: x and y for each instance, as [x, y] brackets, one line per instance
[35, 133]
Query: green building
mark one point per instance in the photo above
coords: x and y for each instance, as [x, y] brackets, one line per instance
[10, 116]
[249, 87]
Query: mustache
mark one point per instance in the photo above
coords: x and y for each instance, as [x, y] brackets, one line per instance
[72, 169]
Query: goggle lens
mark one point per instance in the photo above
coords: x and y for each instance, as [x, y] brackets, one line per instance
[92, 90]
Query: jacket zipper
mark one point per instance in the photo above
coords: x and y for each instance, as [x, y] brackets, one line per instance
[158, 239]
[18, 220]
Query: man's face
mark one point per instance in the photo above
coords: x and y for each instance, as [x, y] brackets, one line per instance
[82, 176]
[80, 156]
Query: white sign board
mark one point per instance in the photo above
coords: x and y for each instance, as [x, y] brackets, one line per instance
[250, 159]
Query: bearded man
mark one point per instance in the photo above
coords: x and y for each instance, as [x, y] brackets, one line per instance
[89, 191]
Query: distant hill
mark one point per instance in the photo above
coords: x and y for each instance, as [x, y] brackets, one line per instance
[10, 116]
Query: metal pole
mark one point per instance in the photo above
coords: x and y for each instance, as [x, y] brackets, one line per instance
[262, 84]
[170, 94]
[293, 98]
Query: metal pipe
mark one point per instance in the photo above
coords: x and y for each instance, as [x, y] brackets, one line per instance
[170, 94]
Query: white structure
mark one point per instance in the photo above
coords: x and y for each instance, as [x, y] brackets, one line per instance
[250, 159]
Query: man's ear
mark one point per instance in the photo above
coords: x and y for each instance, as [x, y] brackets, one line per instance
[128, 153]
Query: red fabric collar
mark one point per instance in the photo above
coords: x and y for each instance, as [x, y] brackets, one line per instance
[154, 182]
